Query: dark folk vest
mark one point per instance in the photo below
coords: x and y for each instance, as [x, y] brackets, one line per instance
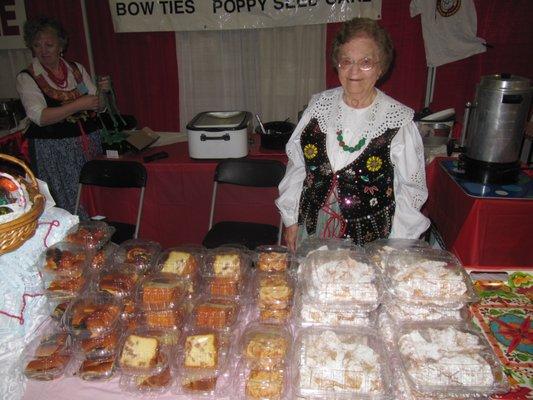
[365, 187]
[55, 98]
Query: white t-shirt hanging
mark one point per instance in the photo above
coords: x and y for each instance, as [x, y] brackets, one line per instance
[449, 29]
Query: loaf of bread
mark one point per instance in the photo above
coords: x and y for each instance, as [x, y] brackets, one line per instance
[159, 380]
[66, 286]
[105, 344]
[118, 283]
[95, 318]
[51, 344]
[199, 384]
[265, 384]
[227, 266]
[164, 319]
[180, 263]
[201, 351]
[266, 349]
[272, 261]
[274, 315]
[86, 236]
[216, 314]
[138, 255]
[53, 364]
[139, 352]
[65, 261]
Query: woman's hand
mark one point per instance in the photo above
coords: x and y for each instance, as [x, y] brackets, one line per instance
[87, 102]
[104, 84]
[51, 115]
[290, 235]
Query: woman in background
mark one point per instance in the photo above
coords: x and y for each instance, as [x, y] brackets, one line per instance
[356, 159]
[61, 102]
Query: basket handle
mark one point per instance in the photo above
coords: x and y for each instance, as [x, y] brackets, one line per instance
[28, 171]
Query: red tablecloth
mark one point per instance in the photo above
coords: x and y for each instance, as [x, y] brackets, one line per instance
[178, 196]
[483, 233]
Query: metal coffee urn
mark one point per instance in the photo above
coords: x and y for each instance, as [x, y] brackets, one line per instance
[495, 129]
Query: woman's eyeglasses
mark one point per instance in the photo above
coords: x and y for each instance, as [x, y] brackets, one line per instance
[364, 64]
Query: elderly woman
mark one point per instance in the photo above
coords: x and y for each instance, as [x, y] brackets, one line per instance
[60, 100]
[356, 159]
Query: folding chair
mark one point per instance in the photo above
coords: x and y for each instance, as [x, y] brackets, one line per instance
[116, 174]
[244, 172]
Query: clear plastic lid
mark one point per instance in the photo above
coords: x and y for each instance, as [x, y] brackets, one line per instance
[47, 357]
[120, 280]
[93, 314]
[103, 257]
[312, 244]
[164, 320]
[428, 276]
[155, 384]
[378, 250]
[90, 234]
[64, 289]
[96, 369]
[271, 258]
[340, 363]
[215, 313]
[265, 346]
[142, 352]
[140, 253]
[273, 291]
[161, 291]
[102, 346]
[64, 259]
[203, 361]
[308, 313]
[342, 277]
[183, 261]
[451, 359]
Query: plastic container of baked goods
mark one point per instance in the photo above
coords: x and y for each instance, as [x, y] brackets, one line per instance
[103, 257]
[273, 291]
[48, 356]
[448, 359]
[272, 258]
[140, 253]
[151, 385]
[312, 244]
[378, 250]
[203, 362]
[102, 346]
[90, 234]
[120, 280]
[165, 320]
[262, 384]
[340, 363]
[341, 277]
[142, 352]
[224, 272]
[64, 259]
[184, 262]
[215, 313]
[265, 346]
[92, 315]
[307, 313]
[161, 291]
[427, 277]
[97, 369]
[64, 288]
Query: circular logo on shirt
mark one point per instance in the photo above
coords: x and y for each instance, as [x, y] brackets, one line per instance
[447, 8]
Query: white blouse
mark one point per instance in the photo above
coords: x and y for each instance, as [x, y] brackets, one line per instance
[407, 155]
[33, 99]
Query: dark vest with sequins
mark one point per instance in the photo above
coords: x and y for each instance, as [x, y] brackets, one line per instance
[365, 187]
[55, 98]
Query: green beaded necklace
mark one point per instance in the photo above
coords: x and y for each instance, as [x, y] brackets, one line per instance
[347, 148]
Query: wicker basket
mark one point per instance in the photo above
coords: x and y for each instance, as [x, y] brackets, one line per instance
[13, 234]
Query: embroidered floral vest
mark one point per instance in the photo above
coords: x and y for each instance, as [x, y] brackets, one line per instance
[364, 187]
[56, 98]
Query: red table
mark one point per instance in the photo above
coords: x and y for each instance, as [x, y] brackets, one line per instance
[483, 233]
[178, 196]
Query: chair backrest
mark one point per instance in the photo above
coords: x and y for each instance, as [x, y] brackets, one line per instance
[114, 174]
[247, 172]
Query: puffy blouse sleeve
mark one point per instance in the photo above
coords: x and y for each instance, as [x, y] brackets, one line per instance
[290, 187]
[407, 155]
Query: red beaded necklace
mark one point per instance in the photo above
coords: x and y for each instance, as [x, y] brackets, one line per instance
[60, 82]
